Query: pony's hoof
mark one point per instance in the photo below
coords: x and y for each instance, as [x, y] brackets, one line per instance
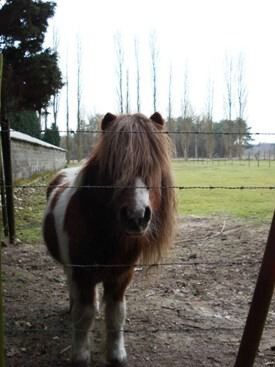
[117, 357]
[81, 363]
[115, 363]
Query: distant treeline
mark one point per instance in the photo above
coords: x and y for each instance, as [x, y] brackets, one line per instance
[203, 138]
[193, 137]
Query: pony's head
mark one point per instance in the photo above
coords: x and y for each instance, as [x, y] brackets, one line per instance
[133, 155]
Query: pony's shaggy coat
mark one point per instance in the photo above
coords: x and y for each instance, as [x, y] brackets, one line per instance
[130, 147]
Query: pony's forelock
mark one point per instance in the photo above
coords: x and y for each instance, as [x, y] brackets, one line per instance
[133, 147]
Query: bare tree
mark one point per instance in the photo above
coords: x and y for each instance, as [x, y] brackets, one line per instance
[56, 96]
[172, 123]
[210, 141]
[127, 107]
[79, 95]
[229, 78]
[210, 99]
[67, 115]
[186, 108]
[45, 113]
[137, 74]
[241, 87]
[154, 61]
[228, 137]
[229, 104]
[170, 95]
[120, 67]
[196, 138]
[187, 116]
[242, 101]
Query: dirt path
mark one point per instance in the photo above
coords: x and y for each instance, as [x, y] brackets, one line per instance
[178, 315]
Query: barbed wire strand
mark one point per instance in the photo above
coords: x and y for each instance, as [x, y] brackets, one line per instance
[136, 331]
[138, 266]
[189, 132]
[183, 187]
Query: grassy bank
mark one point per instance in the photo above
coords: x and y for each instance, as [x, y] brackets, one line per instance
[30, 203]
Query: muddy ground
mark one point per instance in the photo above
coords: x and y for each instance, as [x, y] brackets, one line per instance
[188, 314]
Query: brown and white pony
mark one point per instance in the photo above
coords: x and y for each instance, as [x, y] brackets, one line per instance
[102, 219]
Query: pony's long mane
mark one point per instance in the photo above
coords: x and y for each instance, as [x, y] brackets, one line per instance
[133, 146]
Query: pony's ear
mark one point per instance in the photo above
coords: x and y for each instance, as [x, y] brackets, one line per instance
[107, 119]
[157, 118]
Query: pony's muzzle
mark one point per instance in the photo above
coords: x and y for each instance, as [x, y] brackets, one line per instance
[135, 221]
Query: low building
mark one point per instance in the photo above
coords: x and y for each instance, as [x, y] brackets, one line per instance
[32, 156]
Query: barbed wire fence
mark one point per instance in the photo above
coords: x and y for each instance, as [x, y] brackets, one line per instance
[7, 186]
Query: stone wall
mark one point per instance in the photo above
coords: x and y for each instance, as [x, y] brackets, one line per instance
[31, 156]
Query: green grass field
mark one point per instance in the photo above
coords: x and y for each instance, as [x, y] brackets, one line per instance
[254, 204]
[250, 204]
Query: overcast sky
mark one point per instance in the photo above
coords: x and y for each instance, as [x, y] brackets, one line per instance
[192, 34]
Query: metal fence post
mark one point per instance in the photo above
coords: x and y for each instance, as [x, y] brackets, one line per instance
[260, 304]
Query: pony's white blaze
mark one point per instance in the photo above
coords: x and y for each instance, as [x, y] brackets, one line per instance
[141, 196]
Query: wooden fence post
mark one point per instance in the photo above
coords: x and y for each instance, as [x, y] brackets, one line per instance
[6, 150]
[260, 304]
[3, 196]
[2, 356]
[2, 339]
[2, 183]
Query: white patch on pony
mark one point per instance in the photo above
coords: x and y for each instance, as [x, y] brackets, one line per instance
[72, 179]
[141, 196]
[115, 314]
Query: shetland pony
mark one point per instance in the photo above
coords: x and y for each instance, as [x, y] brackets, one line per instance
[102, 219]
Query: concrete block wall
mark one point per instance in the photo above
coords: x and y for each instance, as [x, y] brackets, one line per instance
[30, 158]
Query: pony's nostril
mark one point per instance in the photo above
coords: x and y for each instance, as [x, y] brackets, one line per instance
[147, 214]
[124, 212]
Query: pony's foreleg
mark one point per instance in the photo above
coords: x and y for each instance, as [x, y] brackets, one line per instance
[68, 273]
[83, 313]
[115, 315]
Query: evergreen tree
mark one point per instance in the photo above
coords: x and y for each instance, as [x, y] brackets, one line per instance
[52, 135]
[26, 121]
[31, 74]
